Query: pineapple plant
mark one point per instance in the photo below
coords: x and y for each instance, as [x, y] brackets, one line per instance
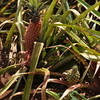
[34, 28]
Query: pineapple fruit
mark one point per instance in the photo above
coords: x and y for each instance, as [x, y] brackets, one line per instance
[31, 35]
[72, 75]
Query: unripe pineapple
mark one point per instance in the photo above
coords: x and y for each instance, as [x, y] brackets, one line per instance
[72, 75]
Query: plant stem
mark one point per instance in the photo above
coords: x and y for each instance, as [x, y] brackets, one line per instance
[34, 60]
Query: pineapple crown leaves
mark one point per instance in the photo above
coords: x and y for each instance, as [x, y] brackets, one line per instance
[33, 8]
[35, 5]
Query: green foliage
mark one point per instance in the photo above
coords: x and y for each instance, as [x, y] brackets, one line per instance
[70, 35]
[54, 94]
